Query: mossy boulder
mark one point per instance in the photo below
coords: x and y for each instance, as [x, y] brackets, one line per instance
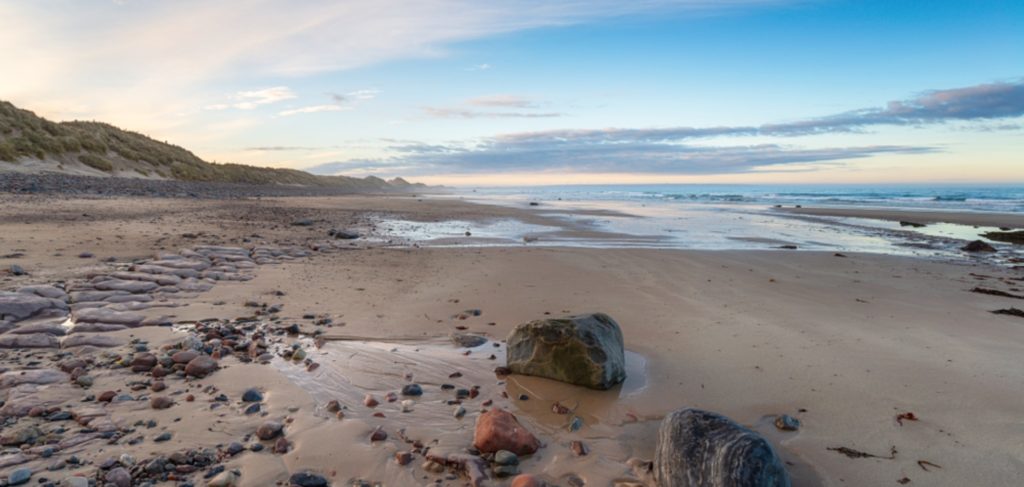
[585, 350]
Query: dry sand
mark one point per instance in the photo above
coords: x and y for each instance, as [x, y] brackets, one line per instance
[845, 344]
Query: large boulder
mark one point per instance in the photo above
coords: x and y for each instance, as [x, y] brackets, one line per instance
[698, 447]
[585, 350]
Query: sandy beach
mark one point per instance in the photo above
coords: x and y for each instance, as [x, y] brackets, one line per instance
[846, 343]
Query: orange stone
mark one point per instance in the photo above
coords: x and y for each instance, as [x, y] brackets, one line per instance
[498, 429]
[526, 480]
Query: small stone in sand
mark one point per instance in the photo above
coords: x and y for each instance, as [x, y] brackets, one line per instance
[526, 480]
[269, 430]
[161, 402]
[403, 458]
[370, 401]
[505, 457]
[201, 366]
[252, 395]
[498, 429]
[119, 477]
[19, 476]
[412, 390]
[378, 434]
[281, 446]
[306, 479]
[978, 246]
[786, 422]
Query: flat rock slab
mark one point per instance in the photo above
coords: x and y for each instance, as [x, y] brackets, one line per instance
[195, 286]
[82, 339]
[195, 265]
[14, 378]
[95, 296]
[34, 340]
[45, 291]
[169, 271]
[134, 287]
[96, 328]
[101, 315]
[18, 306]
[163, 280]
[129, 298]
[50, 327]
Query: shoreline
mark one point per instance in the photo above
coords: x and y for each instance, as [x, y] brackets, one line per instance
[924, 216]
[852, 340]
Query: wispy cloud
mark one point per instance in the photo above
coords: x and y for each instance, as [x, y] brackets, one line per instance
[341, 102]
[979, 102]
[437, 112]
[493, 156]
[672, 149]
[469, 108]
[354, 96]
[157, 56]
[511, 101]
[314, 109]
[479, 67]
[280, 148]
[248, 100]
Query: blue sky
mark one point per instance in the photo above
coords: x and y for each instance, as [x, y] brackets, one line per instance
[524, 91]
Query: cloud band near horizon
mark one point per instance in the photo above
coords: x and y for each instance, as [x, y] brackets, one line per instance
[670, 150]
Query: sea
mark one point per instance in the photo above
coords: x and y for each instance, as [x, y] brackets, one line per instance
[723, 217]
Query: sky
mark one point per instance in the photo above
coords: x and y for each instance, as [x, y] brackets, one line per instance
[544, 92]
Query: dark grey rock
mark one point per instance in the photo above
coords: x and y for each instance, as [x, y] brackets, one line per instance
[978, 246]
[19, 476]
[698, 447]
[412, 390]
[306, 479]
[343, 234]
[585, 350]
[252, 395]
[468, 340]
[505, 457]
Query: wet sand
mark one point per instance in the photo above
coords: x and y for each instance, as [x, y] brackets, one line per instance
[845, 344]
[985, 219]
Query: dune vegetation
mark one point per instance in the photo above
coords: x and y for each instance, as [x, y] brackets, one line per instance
[103, 147]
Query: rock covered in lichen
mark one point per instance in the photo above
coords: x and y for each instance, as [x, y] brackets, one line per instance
[585, 350]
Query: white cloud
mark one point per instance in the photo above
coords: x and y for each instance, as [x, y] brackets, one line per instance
[513, 101]
[154, 66]
[314, 109]
[248, 100]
